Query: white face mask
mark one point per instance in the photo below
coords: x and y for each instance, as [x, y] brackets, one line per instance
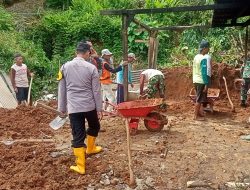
[111, 60]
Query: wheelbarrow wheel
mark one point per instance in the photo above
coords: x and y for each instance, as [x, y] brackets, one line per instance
[155, 126]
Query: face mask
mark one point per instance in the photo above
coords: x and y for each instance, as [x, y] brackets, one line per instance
[111, 60]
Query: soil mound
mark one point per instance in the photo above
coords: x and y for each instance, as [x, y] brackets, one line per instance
[179, 81]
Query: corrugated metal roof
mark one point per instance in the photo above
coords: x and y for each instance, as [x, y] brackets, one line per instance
[7, 99]
[229, 16]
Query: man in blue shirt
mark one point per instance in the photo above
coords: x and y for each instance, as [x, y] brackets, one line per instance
[119, 78]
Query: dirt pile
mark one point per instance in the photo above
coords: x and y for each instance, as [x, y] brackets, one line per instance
[210, 151]
[179, 81]
[25, 122]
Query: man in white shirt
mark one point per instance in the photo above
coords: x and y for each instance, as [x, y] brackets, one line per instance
[19, 78]
[156, 83]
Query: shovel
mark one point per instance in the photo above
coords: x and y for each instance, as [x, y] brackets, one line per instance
[31, 80]
[56, 123]
[11, 141]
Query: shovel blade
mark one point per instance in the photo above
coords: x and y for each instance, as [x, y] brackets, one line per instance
[57, 123]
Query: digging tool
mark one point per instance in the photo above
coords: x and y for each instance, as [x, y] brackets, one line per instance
[228, 97]
[31, 80]
[11, 141]
[131, 174]
[56, 123]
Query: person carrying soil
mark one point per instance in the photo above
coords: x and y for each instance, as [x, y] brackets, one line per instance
[245, 69]
[106, 82]
[79, 95]
[200, 79]
[19, 78]
[119, 78]
[156, 83]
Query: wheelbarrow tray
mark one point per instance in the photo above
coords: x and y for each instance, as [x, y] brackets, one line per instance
[138, 108]
[212, 94]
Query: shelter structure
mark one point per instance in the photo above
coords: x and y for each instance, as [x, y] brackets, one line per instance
[226, 13]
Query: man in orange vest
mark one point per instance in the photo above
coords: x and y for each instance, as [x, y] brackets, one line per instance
[105, 78]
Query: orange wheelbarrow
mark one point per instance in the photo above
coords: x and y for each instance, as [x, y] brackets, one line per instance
[143, 109]
[212, 95]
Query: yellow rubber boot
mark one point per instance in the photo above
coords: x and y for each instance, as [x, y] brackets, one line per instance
[91, 147]
[80, 160]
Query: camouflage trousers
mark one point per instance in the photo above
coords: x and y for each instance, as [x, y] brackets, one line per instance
[244, 88]
[155, 84]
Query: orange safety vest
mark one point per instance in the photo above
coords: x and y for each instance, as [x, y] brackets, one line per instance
[106, 75]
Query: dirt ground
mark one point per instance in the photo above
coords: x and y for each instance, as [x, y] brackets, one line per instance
[210, 152]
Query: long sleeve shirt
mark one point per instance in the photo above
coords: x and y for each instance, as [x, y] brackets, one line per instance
[79, 89]
[119, 76]
[111, 69]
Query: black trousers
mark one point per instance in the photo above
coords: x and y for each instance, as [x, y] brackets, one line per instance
[201, 97]
[22, 93]
[77, 123]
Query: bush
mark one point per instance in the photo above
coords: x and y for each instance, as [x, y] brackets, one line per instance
[34, 57]
[6, 20]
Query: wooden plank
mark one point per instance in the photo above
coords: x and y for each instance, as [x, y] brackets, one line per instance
[182, 27]
[152, 57]
[173, 9]
[146, 27]
[125, 54]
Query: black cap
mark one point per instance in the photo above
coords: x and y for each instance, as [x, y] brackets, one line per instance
[204, 44]
[83, 47]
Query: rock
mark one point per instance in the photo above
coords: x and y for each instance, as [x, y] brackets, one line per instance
[55, 154]
[90, 187]
[106, 182]
[193, 184]
[105, 179]
[237, 185]
[114, 181]
[149, 182]
[111, 173]
[247, 180]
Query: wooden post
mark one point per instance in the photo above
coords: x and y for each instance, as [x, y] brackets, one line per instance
[246, 44]
[125, 54]
[152, 50]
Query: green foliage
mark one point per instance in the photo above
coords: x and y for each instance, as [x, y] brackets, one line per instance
[58, 4]
[6, 20]
[34, 57]
[120, 4]
[80, 21]
[52, 39]
[136, 33]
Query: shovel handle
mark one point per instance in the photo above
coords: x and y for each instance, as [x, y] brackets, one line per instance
[31, 80]
[49, 108]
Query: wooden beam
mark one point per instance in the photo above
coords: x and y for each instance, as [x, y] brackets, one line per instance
[125, 21]
[182, 27]
[146, 27]
[173, 9]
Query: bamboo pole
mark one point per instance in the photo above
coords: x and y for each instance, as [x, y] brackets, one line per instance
[131, 174]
